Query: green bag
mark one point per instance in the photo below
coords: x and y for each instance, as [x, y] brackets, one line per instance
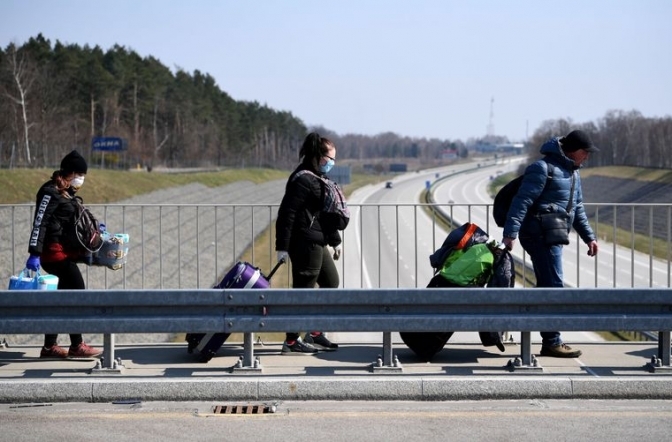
[473, 267]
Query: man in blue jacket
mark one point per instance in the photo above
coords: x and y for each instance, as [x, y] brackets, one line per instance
[546, 187]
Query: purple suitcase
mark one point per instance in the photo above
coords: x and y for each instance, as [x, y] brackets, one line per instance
[242, 275]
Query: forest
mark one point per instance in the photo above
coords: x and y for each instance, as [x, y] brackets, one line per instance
[56, 97]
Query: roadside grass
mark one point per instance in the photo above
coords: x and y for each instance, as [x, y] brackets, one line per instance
[107, 186]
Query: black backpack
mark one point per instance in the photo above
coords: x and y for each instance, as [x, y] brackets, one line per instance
[500, 208]
[84, 234]
[503, 199]
[335, 211]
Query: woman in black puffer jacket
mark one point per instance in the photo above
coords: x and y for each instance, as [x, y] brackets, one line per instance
[52, 246]
[304, 230]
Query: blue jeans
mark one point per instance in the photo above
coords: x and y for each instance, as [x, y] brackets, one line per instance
[547, 262]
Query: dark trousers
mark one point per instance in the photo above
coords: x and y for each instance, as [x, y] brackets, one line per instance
[311, 265]
[547, 263]
[69, 278]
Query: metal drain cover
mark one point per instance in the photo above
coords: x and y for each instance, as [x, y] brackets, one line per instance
[244, 409]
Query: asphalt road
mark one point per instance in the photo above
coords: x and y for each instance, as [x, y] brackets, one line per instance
[473, 421]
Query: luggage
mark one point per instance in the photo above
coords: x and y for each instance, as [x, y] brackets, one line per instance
[426, 344]
[242, 275]
[469, 260]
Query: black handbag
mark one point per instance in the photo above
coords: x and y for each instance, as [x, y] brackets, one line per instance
[555, 225]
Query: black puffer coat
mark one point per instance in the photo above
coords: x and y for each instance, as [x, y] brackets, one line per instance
[299, 213]
[54, 212]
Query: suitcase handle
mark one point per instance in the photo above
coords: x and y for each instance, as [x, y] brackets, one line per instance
[275, 269]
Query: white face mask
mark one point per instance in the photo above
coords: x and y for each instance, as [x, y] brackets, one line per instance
[77, 182]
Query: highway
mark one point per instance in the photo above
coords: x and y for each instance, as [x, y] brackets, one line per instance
[614, 266]
[347, 421]
[389, 239]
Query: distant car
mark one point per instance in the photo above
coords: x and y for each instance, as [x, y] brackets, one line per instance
[388, 185]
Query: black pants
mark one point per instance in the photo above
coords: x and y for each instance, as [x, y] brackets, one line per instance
[69, 278]
[311, 264]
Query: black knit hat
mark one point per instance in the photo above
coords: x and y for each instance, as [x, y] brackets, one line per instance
[577, 139]
[74, 162]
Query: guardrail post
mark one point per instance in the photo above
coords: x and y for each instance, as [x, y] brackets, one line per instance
[108, 364]
[527, 361]
[661, 362]
[247, 363]
[387, 362]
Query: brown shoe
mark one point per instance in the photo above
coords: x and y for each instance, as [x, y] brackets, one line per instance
[84, 351]
[560, 351]
[53, 352]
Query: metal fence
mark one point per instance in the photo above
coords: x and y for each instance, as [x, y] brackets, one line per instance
[181, 246]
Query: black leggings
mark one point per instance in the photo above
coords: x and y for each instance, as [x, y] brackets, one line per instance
[311, 264]
[69, 278]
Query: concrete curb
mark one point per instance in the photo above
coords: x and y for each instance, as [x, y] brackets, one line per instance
[349, 388]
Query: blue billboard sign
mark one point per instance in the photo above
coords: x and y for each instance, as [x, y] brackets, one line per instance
[108, 144]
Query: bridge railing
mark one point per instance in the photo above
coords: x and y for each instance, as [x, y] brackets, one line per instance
[176, 246]
[344, 310]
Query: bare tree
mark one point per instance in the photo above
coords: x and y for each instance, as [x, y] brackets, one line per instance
[23, 77]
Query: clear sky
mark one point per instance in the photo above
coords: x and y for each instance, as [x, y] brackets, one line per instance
[419, 68]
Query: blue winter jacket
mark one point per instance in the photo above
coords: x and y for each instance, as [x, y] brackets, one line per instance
[537, 194]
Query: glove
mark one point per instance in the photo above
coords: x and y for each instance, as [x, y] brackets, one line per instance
[337, 252]
[283, 256]
[33, 263]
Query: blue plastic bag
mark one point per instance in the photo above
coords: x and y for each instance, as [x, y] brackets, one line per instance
[23, 281]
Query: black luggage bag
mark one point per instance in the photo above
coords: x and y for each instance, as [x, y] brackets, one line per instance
[427, 344]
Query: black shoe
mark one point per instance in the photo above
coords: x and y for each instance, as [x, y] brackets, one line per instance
[298, 347]
[560, 351]
[320, 342]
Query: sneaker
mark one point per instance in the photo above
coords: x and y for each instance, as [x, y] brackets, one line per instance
[84, 351]
[298, 347]
[320, 342]
[560, 351]
[53, 352]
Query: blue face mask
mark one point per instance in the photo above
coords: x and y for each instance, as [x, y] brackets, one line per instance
[326, 167]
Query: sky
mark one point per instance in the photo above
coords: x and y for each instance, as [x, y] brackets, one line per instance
[443, 69]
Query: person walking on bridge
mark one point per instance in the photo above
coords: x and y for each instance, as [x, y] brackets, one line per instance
[548, 203]
[304, 230]
[51, 247]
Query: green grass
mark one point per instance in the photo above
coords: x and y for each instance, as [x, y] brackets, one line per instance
[108, 186]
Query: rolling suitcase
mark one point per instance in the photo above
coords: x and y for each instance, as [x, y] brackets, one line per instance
[242, 275]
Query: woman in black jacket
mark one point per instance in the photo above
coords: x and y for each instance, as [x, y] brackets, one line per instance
[304, 230]
[53, 247]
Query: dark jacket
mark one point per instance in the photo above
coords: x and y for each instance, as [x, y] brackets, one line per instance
[299, 213]
[546, 188]
[54, 214]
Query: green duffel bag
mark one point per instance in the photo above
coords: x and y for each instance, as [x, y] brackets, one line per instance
[471, 268]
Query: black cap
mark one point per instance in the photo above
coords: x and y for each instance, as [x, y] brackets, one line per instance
[577, 139]
[74, 162]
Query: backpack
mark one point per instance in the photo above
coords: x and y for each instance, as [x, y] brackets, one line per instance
[84, 233]
[504, 198]
[334, 207]
[461, 238]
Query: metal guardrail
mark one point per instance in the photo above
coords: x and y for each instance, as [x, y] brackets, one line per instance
[355, 310]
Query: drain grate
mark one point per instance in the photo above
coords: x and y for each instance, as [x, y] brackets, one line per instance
[243, 409]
